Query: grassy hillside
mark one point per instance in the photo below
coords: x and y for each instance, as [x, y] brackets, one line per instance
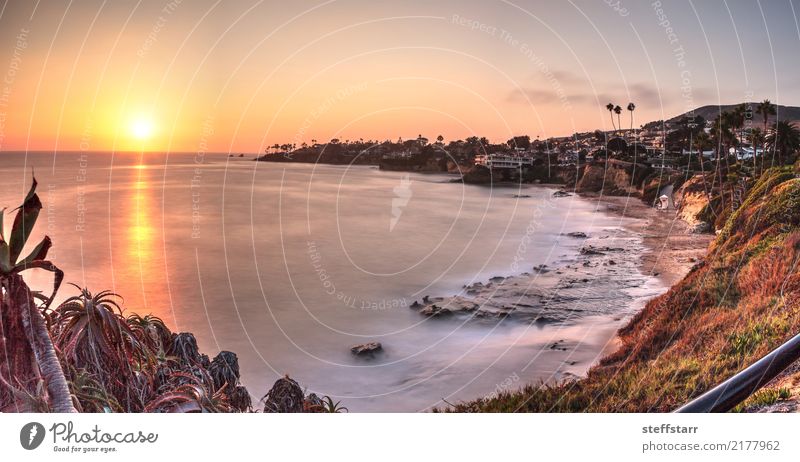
[732, 308]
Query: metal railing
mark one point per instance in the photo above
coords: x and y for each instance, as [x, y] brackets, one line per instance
[736, 389]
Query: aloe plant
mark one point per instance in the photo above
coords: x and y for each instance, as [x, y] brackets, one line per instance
[188, 394]
[92, 334]
[91, 395]
[151, 332]
[28, 353]
[332, 407]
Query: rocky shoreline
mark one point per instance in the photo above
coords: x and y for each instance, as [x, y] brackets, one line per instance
[671, 245]
[648, 243]
[605, 279]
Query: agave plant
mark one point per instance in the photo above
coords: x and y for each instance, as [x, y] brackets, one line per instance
[93, 335]
[239, 398]
[329, 406]
[224, 371]
[184, 347]
[315, 404]
[29, 361]
[151, 332]
[191, 395]
[90, 393]
[285, 396]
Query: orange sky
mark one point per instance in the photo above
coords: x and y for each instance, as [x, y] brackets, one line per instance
[239, 76]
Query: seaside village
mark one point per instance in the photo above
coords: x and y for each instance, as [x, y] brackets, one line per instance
[675, 145]
[672, 144]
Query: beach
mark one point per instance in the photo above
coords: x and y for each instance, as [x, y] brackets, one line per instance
[671, 250]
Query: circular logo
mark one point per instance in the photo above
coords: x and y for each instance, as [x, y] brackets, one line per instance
[31, 435]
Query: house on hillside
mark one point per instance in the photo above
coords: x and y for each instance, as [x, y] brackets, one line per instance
[500, 160]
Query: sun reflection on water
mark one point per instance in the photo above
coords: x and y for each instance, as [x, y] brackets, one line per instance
[143, 266]
[141, 227]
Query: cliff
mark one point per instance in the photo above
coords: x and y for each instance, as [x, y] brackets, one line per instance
[540, 173]
[420, 163]
[613, 177]
[691, 199]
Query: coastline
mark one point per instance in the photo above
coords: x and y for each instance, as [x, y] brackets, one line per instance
[576, 306]
[671, 249]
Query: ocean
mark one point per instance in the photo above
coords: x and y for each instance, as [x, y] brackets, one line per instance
[289, 265]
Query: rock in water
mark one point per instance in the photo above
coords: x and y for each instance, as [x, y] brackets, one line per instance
[589, 250]
[434, 310]
[366, 348]
[577, 234]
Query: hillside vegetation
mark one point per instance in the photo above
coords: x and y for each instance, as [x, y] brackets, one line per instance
[709, 112]
[732, 308]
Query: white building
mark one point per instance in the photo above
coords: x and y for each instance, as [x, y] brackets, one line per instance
[503, 161]
[746, 152]
[710, 154]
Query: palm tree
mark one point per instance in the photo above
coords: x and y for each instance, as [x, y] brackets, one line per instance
[631, 108]
[784, 139]
[618, 111]
[737, 118]
[701, 142]
[756, 140]
[610, 108]
[23, 330]
[722, 137]
[766, 109]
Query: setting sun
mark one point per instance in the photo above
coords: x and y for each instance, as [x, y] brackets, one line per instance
[142, 129]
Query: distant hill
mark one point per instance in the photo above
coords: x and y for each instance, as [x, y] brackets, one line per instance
[710, 112]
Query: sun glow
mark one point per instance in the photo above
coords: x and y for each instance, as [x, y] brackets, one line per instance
[142, 129]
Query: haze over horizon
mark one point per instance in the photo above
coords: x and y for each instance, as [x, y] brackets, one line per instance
[237, 77]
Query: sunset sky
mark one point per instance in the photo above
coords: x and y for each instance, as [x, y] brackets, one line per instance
[239, 76]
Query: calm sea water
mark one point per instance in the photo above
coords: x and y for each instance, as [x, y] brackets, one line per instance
[290, 265]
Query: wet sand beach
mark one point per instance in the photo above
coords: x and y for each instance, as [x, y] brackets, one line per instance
[670, 249]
